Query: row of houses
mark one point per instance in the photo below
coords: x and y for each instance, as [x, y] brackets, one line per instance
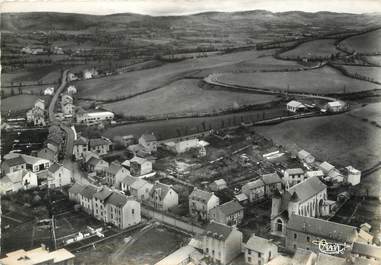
[36, 116]
[106, 205]
[83, 145]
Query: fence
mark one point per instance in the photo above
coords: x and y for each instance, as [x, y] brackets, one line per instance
[171, 221]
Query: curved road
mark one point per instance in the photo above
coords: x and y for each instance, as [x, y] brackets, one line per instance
[53, 120]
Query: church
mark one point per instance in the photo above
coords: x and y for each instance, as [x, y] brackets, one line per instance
[307, 198]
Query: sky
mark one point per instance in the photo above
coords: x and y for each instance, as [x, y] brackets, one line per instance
[183, 7]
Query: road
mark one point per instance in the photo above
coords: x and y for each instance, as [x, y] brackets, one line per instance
[53, 120]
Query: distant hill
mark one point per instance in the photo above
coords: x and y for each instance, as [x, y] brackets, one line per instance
[247, 20]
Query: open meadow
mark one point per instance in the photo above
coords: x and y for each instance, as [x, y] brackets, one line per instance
[367, 43]
[325, 80]
[322, 48]
[131, 83]
[17, 103]
[185, 96]
[373, 73]
[376, 60]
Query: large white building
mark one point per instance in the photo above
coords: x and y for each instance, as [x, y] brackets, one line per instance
[90, 118]
[201, 202]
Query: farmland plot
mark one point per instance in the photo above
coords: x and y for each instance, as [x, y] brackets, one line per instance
[367, 43]
[322, 48]
[131, 83]
[373, 73]
[17, 103]
[325, 80]
[185, 96]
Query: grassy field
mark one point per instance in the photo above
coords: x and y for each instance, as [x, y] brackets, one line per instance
[134, 82]
[17, 103]
[374, 73]
[324, 80]
[322, 48]
[374, 59]
[185, 96]
[46, 74]
[341, 139]
[367, 43]
[148, 249]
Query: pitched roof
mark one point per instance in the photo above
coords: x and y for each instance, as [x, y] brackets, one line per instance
[294, 171]
[326, 167]
[129, 180]
[271, 178]
[302, 154]
[259, 244]
[103, 193]
[322, 228]
[324, 259]
[114, 168]
[230, 207]
[160, 188]
[117, 199]
[16, 177]
[98, 142]
[76, 188]
[88, 191]
[202, 195]
[315, 173]
[218, 230]
[295, 104]
[367, 250]
[139, 183]
[81, 141]
[302, 257]
[149, 137]
[138, 160]
[254, 184]
[53, 168]
[15, 161]
[32, 159]
[220, 182]
[307, 188]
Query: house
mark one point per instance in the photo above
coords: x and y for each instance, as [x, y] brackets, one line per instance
[140, 189]
[295, 106]
[75, 192]
[326, 167]
[115, 173]
[149, 142]
[217, 185]
[127, 182]
[306, 157]
[12, 165]
[36, 117]
[163, 197]
[306, 232]
[71, 77]
[184, 146]
[58, 176]
[68, 109]
[272, 183]
[293, 176]
[100, 146]
[32, 163]
[99, 203]
[242, 198]
[48, 154]
[254, 190]
[259, 251]
[221, 243]
[49, 91]
[201, 202]
[182, 256]
[314, 173]
[90, 118]
[353, 175]
[39, 103]
[57, 50]
[307, 198]
[18, 180]
[65, 99]
[122, 211]
[335, 176]
[89, 73]
[96, 165]
[229, 213]
[71, 90]
[140, 166]
[38, 256]
[80, 146]
[300, 257]
[336, 106]
[86, 198]
[128, 140]
[367, 251]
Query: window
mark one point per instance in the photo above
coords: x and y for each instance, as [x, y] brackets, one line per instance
[279, 225]
[249, 259]
[133, 211]
[259, 255]
[248, 251]
[294, 246]
[259, 262]
[308, 239]
[295, 236]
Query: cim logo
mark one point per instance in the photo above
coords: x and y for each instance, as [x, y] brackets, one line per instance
[330, 248]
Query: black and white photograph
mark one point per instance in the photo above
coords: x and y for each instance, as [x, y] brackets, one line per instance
[190, 132]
